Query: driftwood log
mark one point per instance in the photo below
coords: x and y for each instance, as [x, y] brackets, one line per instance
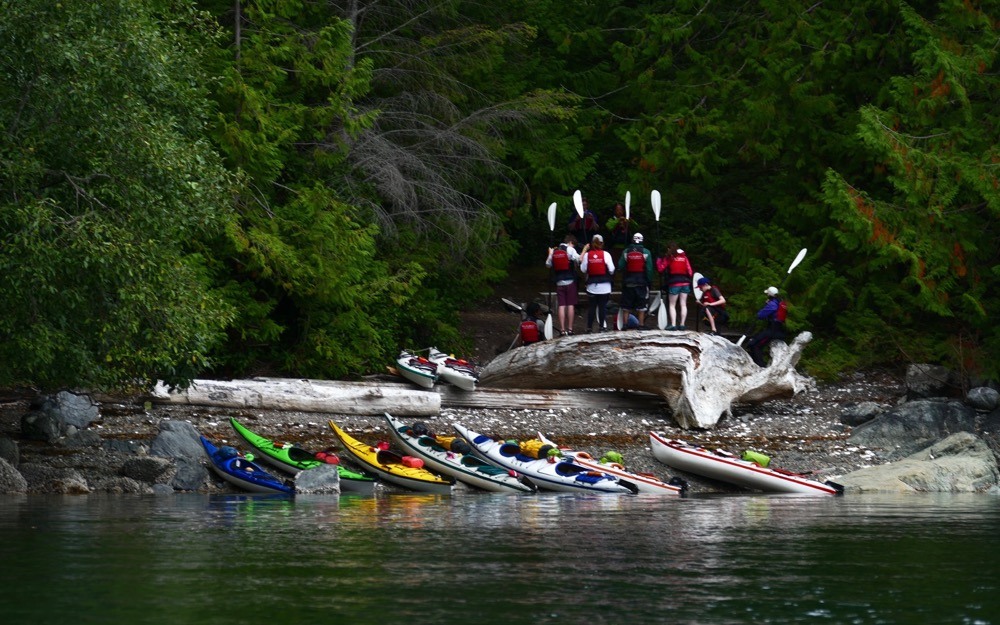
[700, 376]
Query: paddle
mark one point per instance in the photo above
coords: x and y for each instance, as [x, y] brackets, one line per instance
[578, 204]
[661, 312]
[795, 263]
[548, 301]
[628, 200]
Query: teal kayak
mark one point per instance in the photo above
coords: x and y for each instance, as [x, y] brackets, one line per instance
[292, 459]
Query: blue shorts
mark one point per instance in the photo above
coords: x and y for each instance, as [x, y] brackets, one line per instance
[678, 289]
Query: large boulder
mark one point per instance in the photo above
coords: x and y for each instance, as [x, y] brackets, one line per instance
[191, 475]
[961, 463]
[148, 469]
[9, 451]
[323, 480]
[53, 480]
[51, 416]
[915, 425]
[177, 439]
[924, 380]
[11, 481]
[983, 398]
[856, 414]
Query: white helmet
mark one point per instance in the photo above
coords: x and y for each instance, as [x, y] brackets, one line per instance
[771, 291]
[637, 237]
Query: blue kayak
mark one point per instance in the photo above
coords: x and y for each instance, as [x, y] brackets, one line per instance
[236, 469]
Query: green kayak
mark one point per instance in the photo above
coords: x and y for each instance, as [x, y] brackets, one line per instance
[292, 459]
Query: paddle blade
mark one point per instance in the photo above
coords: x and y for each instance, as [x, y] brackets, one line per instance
[740, 342]
[548, 327]
[511, 306]
[654, 303]
[621, 319]
[552, 216]
[798, 259]
[661, 317]
[655, 201]
[578, 202]
[694, 286]
[628, 202]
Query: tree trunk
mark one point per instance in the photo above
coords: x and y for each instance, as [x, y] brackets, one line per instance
[699, 375]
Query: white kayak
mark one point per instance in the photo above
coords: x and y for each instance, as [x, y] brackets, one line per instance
[440, 454]
[456, 371]
[417, 369]
[556, 474]
[645, 482]
[724, 466]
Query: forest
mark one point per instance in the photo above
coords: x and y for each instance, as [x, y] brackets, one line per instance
[303, 187]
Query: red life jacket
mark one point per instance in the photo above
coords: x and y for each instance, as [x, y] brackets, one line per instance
[595, 263]
[560, 260]
[635, 261]
[782, 313]
[679, 265]
[711, 296]
[529, 332]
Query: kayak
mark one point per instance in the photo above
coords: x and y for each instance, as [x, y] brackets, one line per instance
[405, 471]
[442, 455]
[646, 482]
[292, 459]
[724, 466]
[547, 473]
[417, 369]
[242, 472]
[455, 371]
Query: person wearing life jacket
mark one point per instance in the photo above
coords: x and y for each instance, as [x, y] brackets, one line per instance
[619, 229]
[532, 328]
[773, 312]
[636, 267]
[676, 268]
[599, 268]
[564, 261]
[713, 305]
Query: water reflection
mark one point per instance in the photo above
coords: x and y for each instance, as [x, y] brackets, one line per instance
[500, 558]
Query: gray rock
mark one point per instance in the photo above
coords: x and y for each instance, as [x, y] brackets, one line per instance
[121, 485]
[9, 451]
[961, 463]
[82, 438]
[123, 447]
[43, 479]
[78, 410]
[11, 481]
[323, 480]
[856, 414]
[148, 469]
[51, 416]
[38, 425]
[983, 398]
[177, 439]
[923, 380]
[191, 475]
[162, 489]
[916, 425]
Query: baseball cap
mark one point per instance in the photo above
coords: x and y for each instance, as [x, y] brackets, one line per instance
[771, 291]
[703, 281]
[637, 237]
[598, 237]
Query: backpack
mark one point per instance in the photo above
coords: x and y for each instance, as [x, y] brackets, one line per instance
[782, 312]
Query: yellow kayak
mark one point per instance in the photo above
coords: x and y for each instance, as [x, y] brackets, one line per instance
[405, 471]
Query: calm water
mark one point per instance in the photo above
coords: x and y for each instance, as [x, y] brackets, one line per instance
[476, 558]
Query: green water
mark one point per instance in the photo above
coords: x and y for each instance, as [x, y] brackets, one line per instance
[477, 558]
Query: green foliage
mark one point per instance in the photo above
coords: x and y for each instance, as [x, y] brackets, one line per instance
[107, 185]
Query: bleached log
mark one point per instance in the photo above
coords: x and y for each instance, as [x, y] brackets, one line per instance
[352, 398]
[700, 376]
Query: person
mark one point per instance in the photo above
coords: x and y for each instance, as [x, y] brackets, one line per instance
[564, 261]
[532, 328]
[773, 312]
[618, 228]
[713, 305]
[599, 269]
[636, 266]
[584, 227]
[677, 268]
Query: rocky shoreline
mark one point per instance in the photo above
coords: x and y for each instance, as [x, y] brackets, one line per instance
[816, 431]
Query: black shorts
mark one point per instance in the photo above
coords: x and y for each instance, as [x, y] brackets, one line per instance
[635, 297]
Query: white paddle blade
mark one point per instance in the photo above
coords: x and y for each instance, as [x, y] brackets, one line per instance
[548, 327]
[798, 259]
[661, 317]
[621, 319]
[654, 303]
[628, 202]
[511, 305]
[740, 342]
[552, 216]
[578, 202]
[655, 201]
[694, 286]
